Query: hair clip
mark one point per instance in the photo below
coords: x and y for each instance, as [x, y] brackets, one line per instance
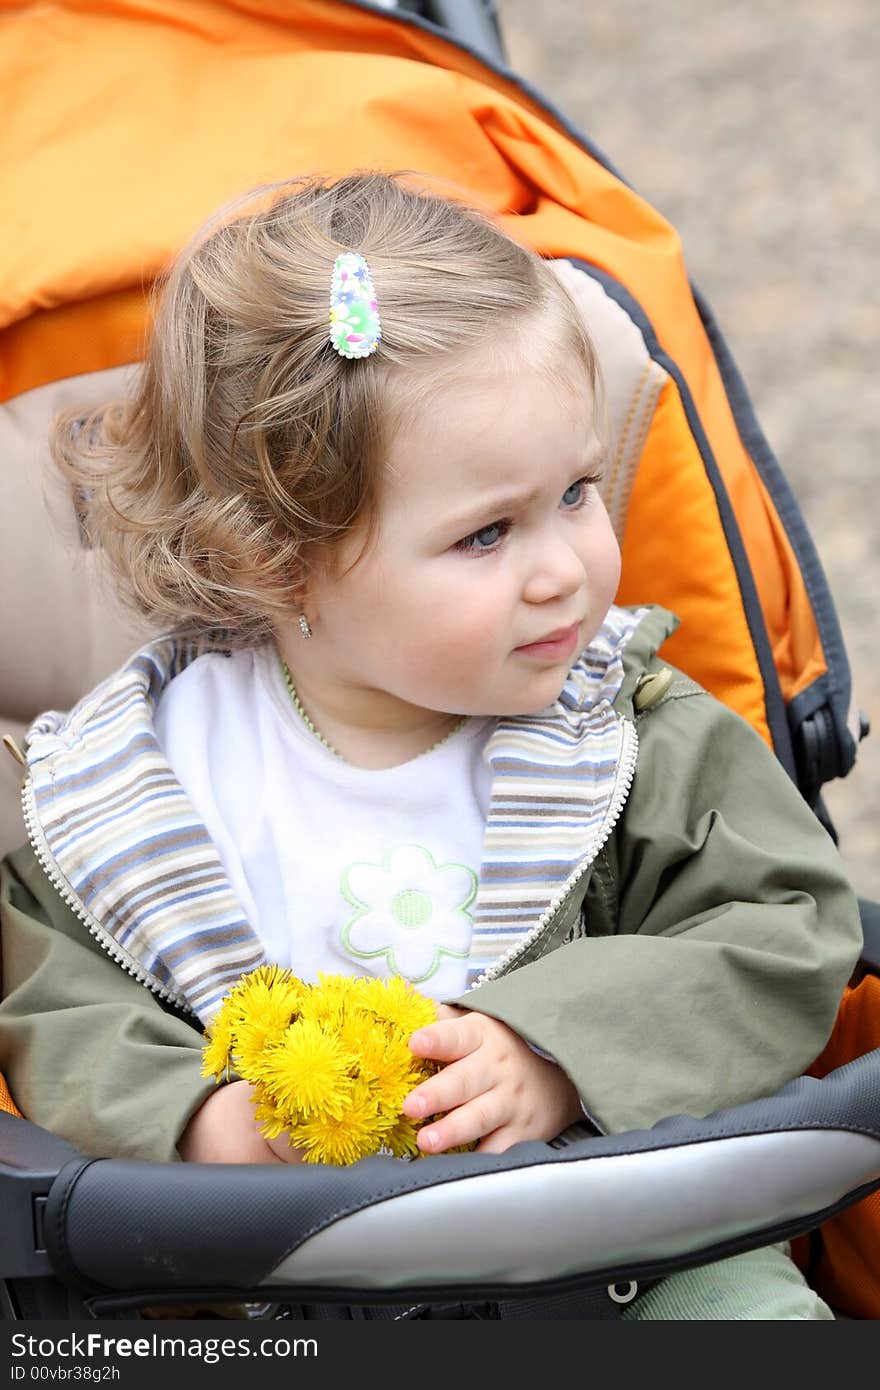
[355, 330]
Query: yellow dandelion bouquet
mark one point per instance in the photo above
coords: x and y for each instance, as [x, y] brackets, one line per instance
[329, 1062]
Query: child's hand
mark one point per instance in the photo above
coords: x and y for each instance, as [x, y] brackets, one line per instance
[494, 1087]
[223, 1130]
[283, 1151]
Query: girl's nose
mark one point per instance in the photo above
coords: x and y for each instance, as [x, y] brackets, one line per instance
[557, 571]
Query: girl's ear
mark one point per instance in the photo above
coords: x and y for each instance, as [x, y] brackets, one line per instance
[299, 602]
[295, 623]
[301, 599]
[297, 577]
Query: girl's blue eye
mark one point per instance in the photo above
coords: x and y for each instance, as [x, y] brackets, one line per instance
[574, 494]
[484, 540]
[490, 535]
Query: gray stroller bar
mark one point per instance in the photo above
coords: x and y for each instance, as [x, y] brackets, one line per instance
[539, 1219]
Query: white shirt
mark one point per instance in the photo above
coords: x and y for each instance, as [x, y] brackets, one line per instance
[338, 869]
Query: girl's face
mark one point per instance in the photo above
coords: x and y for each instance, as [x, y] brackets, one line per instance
[494, 561]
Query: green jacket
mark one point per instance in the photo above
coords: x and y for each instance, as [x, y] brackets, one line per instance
[696, 958]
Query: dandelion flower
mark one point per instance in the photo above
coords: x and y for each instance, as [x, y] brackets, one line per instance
[219, 1038]
[330, 1000]
[307, 1069]
[257, 1008]
[329, 1062]
[387, 1063]
[402, 1139]
[267, 1001]
[344, 1138]
[272, 1120]
[396, 1001]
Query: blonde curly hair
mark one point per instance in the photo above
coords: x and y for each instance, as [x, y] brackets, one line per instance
[248, 447]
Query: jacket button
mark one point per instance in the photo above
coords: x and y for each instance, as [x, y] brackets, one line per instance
[651, 688]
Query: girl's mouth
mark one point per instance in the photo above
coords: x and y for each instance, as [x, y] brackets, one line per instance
[555, 646]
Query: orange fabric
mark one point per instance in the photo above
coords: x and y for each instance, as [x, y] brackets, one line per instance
[856, 1029]
[847, 1270]
[89, 335]
[671, 482]
[6, 1101]
[112, 162]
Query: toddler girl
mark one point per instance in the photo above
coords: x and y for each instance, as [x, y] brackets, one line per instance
[397, 725]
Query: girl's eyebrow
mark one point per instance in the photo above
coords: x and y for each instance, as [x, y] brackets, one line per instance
[493, 506]
[496, 505]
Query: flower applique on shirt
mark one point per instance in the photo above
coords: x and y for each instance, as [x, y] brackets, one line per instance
[410, 910]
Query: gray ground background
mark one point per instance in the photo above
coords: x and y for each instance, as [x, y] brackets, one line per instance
[753, 126]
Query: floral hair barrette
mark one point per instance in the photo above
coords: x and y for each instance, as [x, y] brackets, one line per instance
[355, 330]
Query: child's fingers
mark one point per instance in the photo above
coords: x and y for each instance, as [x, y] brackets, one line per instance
[498, 1142]
[446, 1040]
[479, 1117]
[456, 1084]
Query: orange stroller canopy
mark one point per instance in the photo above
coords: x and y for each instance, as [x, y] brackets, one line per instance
[134, 119]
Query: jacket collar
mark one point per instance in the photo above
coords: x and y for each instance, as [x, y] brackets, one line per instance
[120, 839]
[560, 779]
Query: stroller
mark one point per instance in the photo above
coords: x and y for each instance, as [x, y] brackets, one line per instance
[596, 1216]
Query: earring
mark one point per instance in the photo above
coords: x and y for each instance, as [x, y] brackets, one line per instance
[304, 625]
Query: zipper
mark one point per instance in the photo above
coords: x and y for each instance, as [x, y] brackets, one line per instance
[68, 895]
[623, 783]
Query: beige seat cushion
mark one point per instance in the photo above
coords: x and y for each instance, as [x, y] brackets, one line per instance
[62, 630]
